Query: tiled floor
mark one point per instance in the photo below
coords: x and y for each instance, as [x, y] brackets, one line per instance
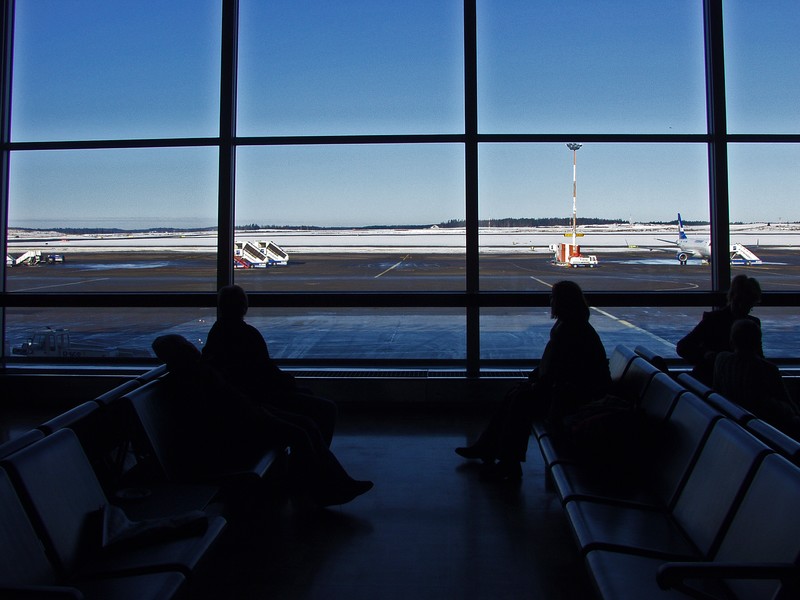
[429, 529]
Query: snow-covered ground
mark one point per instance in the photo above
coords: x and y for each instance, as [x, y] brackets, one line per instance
[434, 240]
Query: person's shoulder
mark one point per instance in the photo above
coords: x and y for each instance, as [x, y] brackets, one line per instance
[766, 365]
[724, 356]
[726, 362]
[717, 315]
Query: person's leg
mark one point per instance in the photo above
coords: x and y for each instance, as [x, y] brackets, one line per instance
[514, 433]
[314, 472]
[321, 410]
[488, 445]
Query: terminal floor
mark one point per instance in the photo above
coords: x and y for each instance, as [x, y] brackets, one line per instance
[430, 528]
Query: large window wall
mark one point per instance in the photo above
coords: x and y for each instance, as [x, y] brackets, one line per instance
[408, 157]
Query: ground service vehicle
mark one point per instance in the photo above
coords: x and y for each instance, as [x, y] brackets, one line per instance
[56, 343]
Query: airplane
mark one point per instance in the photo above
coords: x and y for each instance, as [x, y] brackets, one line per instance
[689, 247]
[701, 248]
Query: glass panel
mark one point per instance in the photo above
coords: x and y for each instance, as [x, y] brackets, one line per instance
[765, 213]
[359, 67]
[522, 333]
[101, 70]
[99, 333]
[780, 329]
[359, 333]
[113, 220]
[592, 67]
[762, 66]
[350, 218]
[306, 333]
[626, 197]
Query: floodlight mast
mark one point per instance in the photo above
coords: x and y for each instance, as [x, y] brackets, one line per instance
[574, 147]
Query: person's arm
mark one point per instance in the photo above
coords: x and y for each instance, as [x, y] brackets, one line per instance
[212, 341]
[555, 357]
[692, 346]
[761, 343]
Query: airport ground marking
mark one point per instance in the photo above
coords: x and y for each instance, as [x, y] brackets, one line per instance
[630, 325]
[622, 322]
[542, 281]
[41, 287]
[402, 260]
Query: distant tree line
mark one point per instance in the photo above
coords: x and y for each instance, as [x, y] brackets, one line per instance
[114, 230]
[451, 224]
[533, 222]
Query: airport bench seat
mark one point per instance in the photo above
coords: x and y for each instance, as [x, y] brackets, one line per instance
[553, 447]
[729, 409]
[694, 385]
[680, 439]
[174, 450]
[757, 558]
[105, 432]
[69, 521]
[776, 439]
[691, 526]
[163, 419]
[619, 361]
[659, 397]
[718, 401]
[698, 519]
[20, 441]
[652, 357]
[636, 378]
[572, 478]
[27, 572]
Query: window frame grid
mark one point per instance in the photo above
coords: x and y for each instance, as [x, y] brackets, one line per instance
[472, 299]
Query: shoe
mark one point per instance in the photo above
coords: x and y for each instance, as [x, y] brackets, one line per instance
[504, 471]
[474, 451]
[343, 493]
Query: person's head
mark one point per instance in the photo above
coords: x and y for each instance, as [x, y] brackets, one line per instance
[743, 295]
[567, 302]
[178, 352]
[746, 336]
[231, 302]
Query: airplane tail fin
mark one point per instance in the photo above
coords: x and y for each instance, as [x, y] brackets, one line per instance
[681, 232]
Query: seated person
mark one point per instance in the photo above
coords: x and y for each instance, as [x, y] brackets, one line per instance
[573, 372]
[746, 378]
[225, 422]
[238, 351]
[713, 334]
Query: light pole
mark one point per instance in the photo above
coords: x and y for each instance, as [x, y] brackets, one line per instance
[574, 147]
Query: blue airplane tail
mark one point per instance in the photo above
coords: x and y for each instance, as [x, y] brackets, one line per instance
[681, 232]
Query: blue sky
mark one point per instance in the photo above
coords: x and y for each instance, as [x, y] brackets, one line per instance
[103, 69]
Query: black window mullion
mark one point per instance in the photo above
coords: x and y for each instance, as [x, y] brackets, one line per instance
[227, 136]
[718, 145]
[471, 187]
[6, 62]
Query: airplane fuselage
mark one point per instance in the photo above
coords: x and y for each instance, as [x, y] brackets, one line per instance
[693, 247]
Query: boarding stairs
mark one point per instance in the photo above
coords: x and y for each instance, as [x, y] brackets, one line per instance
[743, 256]
[259, 254]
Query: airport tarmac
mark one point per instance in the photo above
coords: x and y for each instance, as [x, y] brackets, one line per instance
[407, 333]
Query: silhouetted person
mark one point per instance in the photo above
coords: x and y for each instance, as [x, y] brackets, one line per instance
[226, 426]
[573, 371]
[746, 378]
[713, 333]
[239, 352]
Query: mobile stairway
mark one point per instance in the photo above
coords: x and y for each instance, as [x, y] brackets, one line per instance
[743, 256]
[258, 255]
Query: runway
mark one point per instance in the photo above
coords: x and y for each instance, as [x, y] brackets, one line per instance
[407, 333]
